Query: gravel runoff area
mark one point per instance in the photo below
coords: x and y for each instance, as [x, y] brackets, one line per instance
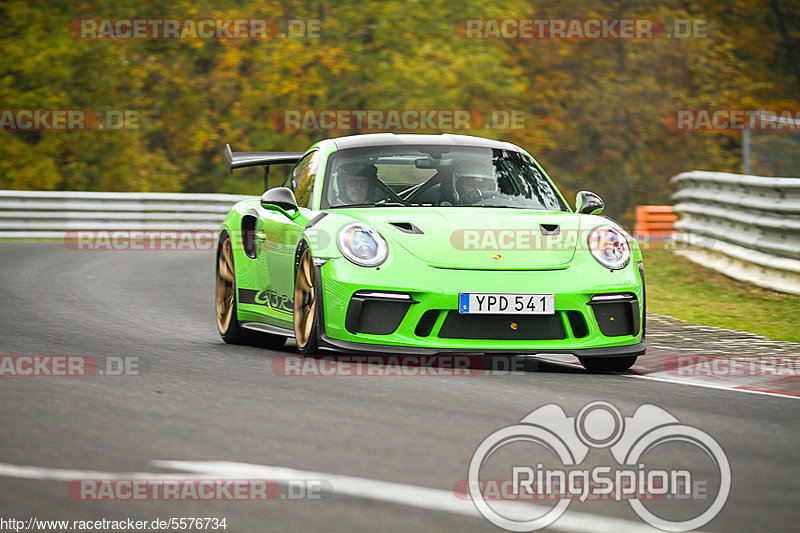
[679, 336]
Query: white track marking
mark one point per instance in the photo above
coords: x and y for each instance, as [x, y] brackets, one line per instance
[65, 474]
[369, 489]
[678, 381]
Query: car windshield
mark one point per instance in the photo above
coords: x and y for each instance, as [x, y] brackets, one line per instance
[387, 176]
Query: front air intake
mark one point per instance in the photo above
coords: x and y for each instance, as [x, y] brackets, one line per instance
[502, 327]
[376, 312]
[617, 315]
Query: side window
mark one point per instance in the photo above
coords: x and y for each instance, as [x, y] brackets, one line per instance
[301, 179]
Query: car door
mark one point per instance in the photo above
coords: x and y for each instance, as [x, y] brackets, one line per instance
[277, 235]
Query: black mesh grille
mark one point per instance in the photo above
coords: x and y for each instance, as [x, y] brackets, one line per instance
[578, 324]
[615, 318]
[425, 324]
[502, 327]
[376, 317]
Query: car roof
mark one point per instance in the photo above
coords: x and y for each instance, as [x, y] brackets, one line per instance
[444, 139]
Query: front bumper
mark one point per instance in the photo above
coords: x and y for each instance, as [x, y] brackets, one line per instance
[427, 321]
[611, 351]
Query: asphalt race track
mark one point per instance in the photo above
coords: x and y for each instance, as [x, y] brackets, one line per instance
[192, 405]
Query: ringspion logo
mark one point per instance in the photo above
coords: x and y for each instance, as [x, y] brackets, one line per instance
[544, 457]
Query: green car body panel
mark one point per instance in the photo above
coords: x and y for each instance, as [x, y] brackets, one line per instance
[447, 251]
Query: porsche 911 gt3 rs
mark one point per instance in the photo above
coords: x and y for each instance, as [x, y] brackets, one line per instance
[426, 244]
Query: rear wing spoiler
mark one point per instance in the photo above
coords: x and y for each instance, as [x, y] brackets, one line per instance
[234, 160]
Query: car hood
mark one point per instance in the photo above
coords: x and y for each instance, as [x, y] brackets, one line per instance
[478, 238]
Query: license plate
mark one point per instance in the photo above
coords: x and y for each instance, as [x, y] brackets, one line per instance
[506, 304]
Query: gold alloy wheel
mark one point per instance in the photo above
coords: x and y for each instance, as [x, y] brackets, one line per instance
[225, 283]
[305, 300]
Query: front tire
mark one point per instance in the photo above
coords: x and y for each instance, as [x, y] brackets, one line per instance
[607, 364]
[306, 288]
[227, 317]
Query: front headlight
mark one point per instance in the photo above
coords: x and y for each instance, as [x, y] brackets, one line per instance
[362, 244]
[610, 247]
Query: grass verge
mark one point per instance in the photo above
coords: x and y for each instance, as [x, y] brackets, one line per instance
[680, 288]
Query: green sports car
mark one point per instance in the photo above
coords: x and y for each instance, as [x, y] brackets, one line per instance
[427, 244]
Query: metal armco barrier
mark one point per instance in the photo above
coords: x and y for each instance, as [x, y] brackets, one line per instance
[51, 214]
[747, 227]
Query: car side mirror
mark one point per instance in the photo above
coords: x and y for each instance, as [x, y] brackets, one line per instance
[280, 199]
[588, 203]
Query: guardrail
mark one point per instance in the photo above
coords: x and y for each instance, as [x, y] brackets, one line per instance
[747, 227]
[51, 214]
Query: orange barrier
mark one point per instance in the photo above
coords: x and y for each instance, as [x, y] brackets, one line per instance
[654, 221]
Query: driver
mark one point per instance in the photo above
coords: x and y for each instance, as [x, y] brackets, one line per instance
[467, 184]
[472, 188]
[356, 182]
[473, 180]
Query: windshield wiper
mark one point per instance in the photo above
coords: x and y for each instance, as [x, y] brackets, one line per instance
[379, 203]
[497, 206]
[350, 205]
